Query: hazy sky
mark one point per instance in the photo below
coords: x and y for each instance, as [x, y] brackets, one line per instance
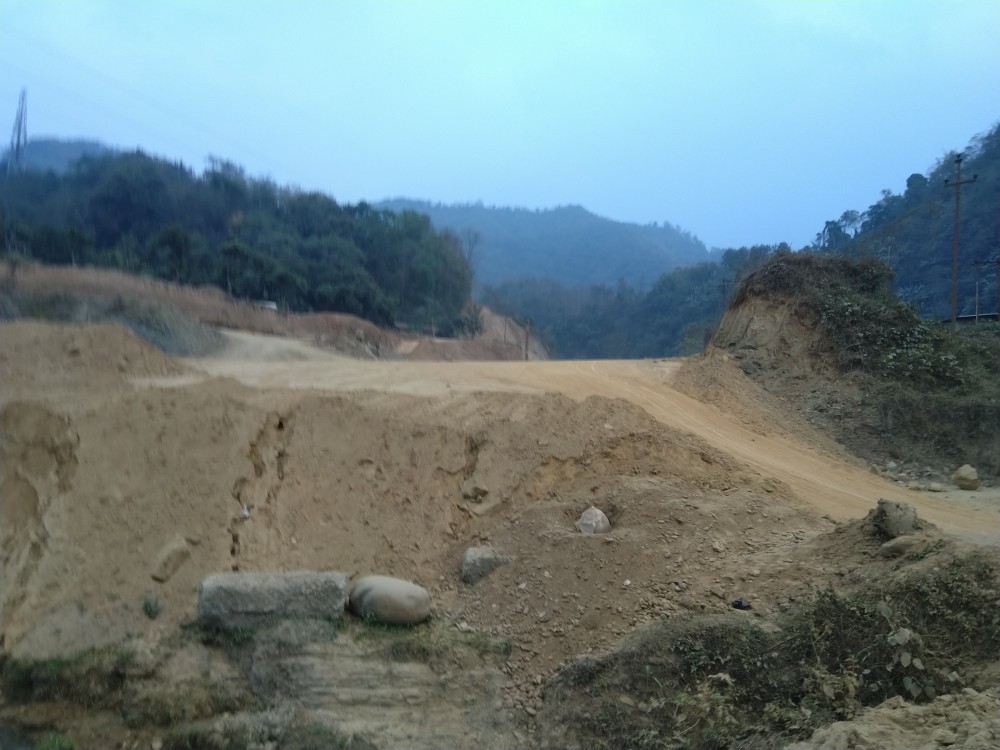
[742, 121]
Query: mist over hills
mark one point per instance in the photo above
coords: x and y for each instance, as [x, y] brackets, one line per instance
[55, 155]
[567, 244]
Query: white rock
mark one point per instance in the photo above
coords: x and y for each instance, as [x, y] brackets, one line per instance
[593, 521]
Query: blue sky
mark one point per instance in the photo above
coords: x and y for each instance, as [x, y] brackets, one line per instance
[742, 121]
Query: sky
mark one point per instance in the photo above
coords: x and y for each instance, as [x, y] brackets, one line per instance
[741, 121]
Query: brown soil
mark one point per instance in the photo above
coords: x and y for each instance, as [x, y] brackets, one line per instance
[109, 449]
[501, 339]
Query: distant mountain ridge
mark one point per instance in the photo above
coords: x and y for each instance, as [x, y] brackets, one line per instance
[54, 155]
[567, 244]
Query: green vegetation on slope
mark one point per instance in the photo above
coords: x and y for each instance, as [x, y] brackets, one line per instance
[930, 394]
[727, 682]
[676, 315]
[249, 237]
[914, 232]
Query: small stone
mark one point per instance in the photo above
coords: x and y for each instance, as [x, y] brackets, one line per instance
[474, 491]
[593, 521]
[479, 562]
[936, 487]
[966, 478]
[170, 558]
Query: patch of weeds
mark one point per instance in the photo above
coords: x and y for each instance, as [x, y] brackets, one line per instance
[168, 705]
[486, 645]
[927, 550]
[206, 738]
[93, 678]
[723, 682]
[315, 736]
[429, 643]
[55, 741]
[151, 606]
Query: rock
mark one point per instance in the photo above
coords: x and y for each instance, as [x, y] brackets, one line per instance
[891, 518]
[966, 478]
[473, 490]
[593, 521]
[936, 487]
[898, 546]
[236, 600]
[170, 558]
[479, 562]
[392, 601]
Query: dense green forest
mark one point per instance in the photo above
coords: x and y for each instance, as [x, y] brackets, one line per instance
[567, 244]
[675, 316]
[250, 237]
[914, 232]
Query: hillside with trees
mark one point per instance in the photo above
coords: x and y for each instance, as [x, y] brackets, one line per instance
[247, 236]
[914, 232]
[568, 245]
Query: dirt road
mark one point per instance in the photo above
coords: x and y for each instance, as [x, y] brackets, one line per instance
[821, 481]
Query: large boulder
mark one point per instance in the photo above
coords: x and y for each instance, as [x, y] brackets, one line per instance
[966, 478]
[392, 601]
[891, 518]
[237, 600]
[479, 562]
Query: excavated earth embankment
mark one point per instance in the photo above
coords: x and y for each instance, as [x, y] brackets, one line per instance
[112, 454]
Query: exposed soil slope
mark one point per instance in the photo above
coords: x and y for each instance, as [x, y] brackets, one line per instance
[277, 455]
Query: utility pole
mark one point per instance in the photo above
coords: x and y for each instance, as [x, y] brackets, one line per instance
[957, 184]
[15, 163]
[19, 136]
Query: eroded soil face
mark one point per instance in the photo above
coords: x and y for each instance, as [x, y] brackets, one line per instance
[278, 456]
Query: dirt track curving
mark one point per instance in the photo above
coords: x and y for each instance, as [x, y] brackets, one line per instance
[829, 484]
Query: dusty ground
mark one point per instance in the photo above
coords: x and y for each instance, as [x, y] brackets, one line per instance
[110, 449]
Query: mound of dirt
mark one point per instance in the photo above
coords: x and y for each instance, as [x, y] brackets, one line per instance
[821, 333]
[38, 357]
[180, 320]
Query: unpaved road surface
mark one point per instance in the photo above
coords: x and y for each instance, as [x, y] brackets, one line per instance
[828, 484]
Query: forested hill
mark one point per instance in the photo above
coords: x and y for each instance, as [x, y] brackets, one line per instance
[569, 245]
[250, 237]
[914, 232]
[52, 154]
